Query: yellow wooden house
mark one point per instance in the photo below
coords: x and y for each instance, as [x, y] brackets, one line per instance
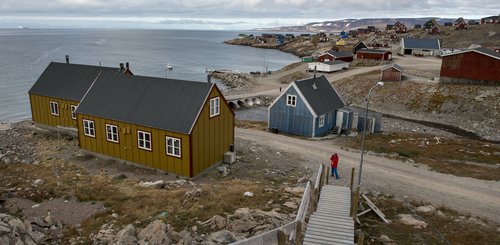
[178, 126]
[340, 42]
[56, 94]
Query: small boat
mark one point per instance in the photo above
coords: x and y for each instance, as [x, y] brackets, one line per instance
[169, 67]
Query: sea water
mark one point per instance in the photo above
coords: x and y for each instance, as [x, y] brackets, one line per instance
[25, 53]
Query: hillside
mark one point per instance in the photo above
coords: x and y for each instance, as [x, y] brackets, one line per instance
[485, 35]
[349, 24]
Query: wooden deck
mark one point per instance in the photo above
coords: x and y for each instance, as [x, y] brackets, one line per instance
[331, 223]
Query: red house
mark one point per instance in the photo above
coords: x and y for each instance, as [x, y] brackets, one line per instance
[473, 66]
[334, 55]
[460, 24]
[391, 73]
[435, 30]
[374, 54]
[491, 20]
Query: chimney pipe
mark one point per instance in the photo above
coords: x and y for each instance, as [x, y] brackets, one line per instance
[127, 65]
[121, 68]
[67, 59]
[209, 78]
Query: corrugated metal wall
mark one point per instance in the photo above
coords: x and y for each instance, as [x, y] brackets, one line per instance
[472, 66]
[127, 148]
[40, 111]
[212, 137]
[294, 120]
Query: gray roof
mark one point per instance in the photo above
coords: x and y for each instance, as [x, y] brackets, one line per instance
[67, 81]
[410, 43]
[340, 54]
[161, 103]
[323, 98]
[488, 51]
[376, 51]
[481, 50]
[395, 66]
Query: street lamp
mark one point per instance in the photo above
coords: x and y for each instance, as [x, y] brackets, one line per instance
[379, 84]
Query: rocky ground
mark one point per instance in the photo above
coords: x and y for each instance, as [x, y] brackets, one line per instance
[59, 195]
[53, 193]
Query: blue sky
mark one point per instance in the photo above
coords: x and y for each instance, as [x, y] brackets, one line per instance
[222, 14]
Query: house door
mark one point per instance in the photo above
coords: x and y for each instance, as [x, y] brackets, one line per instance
[340, 119]
[407, 51]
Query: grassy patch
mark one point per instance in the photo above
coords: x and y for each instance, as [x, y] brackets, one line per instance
[457, 156]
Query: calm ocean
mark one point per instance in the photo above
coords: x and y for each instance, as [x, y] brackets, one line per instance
[25, 53]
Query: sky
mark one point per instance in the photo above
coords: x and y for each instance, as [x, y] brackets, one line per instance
[223, 14]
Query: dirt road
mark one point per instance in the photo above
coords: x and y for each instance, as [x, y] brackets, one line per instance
[466, 195]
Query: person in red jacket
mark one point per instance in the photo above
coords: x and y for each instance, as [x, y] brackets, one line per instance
[334, 164]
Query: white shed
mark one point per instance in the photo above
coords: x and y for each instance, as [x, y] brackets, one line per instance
[329, 66]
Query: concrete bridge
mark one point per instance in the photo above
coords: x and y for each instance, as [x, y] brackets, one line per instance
[250, 99]
[241, 102]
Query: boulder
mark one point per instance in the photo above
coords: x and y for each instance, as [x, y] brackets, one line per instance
[156, 184]
[222, 237]
[185, 238]
[126, 236]
[291, 205]
[242, 225]
[216, 222]
[408, 219]
[191, 194]
[155, 233]
[105, 235]
[303, 179]
[38, 182]
[426, 209]
[295, 190]
[385, 240]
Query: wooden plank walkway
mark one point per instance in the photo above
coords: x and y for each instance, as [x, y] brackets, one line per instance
[331, 223]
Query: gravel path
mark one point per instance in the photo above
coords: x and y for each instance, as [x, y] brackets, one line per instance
[466, 195]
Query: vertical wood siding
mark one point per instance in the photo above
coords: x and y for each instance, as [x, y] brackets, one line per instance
[330, 120]
[127, 147]
[40, 111]
[391, 74]
[212, 137]
[294, 120]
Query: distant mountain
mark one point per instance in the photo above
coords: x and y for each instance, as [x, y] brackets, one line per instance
[348, 24]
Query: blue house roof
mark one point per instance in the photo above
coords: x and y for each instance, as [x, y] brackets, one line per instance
[320, 94]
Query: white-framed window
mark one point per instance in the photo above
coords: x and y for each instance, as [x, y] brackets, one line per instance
[54, 108]
[73, 111]
[321, 121]
[214, 107]
[173, 146]
[144, 140]
[291, 100]
[88, 128]
[112, 133]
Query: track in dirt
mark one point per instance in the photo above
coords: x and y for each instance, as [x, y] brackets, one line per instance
[466, 195]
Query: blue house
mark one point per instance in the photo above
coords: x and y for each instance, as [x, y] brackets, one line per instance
[310, 108]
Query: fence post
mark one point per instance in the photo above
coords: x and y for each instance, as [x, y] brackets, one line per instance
[361, 238]
[354, 211]
[327, 175]
[352, 179]
[281, 237]
[298, 233]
